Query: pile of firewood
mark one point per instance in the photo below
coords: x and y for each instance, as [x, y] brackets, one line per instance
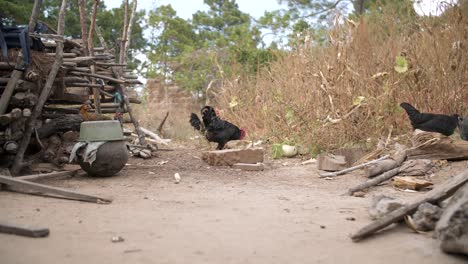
[408, 169]
[40, 103]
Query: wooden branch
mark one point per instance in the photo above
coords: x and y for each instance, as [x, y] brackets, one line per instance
[337, 173]
[162, 123]
[154, 136]
[23, 231]
[15, 76]
[438, 194]
[374, 181]
[122, 58]
[101, 38]
[18, 162]
[41, 188]
[129, 29]
[98, 76]
[84, 30]
[43, 176]
[386, 165]
[34, 15]
[96, 91]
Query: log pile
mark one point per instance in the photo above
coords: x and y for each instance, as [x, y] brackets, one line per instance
[81, 76]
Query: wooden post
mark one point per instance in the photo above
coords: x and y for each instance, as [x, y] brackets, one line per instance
[129, 30]
[84, 33]
[96, 92]
[8, 92]
[124, 36]
[35, 14]
[18, 162]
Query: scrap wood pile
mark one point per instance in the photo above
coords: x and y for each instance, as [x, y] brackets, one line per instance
[49, 88]
[411, 169]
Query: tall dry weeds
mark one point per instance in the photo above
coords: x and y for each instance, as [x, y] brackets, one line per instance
[347, 92]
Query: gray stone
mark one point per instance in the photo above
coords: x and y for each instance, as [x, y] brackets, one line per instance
[426, 217]
[452, 228]
[382, 205]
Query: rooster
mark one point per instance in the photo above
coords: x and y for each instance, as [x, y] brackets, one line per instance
[214, 128]
[443, 124]
[91, 116]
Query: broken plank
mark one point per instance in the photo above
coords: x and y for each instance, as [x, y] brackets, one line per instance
[23, 231]
[436, 195]
[41, 188]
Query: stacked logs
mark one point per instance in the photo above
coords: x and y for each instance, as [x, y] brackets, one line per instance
[74, 85]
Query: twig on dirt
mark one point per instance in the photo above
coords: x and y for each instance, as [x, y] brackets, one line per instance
[341, 172]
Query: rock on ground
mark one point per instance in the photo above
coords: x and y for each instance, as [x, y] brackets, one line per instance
[426, 217]
[452, 228]
[382, 205]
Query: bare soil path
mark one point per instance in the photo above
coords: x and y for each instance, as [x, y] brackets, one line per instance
[285, 214]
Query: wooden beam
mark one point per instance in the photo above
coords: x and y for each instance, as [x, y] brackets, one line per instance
[438, 194]
[41, 188]
[23, 231]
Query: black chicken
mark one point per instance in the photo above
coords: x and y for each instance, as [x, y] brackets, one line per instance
[214, 128]
[443, 124]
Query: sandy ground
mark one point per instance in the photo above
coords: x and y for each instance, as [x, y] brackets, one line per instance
[285, 214]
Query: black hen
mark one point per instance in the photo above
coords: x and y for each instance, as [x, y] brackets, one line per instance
[214, 128]
[443, 124]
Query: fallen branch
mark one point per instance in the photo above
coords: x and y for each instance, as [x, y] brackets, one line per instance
[154, 136]
[23, 231]
[379, 179]
[341, 172]
[47, 175]
[41, 188]
[436, 195]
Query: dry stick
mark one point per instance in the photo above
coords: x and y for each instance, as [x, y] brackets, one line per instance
[34, 15]
[124, 36]
[8, 92]
[41, 188]
[436, 195]
[104, 77]
[129, 30]
[162, 123]
[23, 231]
[48, 175]
[18, 162]
[96, 91]
[341, 172]
[387, 165]
[84, 33]
[374, 181]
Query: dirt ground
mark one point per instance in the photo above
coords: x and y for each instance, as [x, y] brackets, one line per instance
[285, 214]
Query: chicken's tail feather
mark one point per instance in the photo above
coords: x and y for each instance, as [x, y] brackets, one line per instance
[195, 121]
[410, 110]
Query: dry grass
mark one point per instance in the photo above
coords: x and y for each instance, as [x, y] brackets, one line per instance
[348, 93]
